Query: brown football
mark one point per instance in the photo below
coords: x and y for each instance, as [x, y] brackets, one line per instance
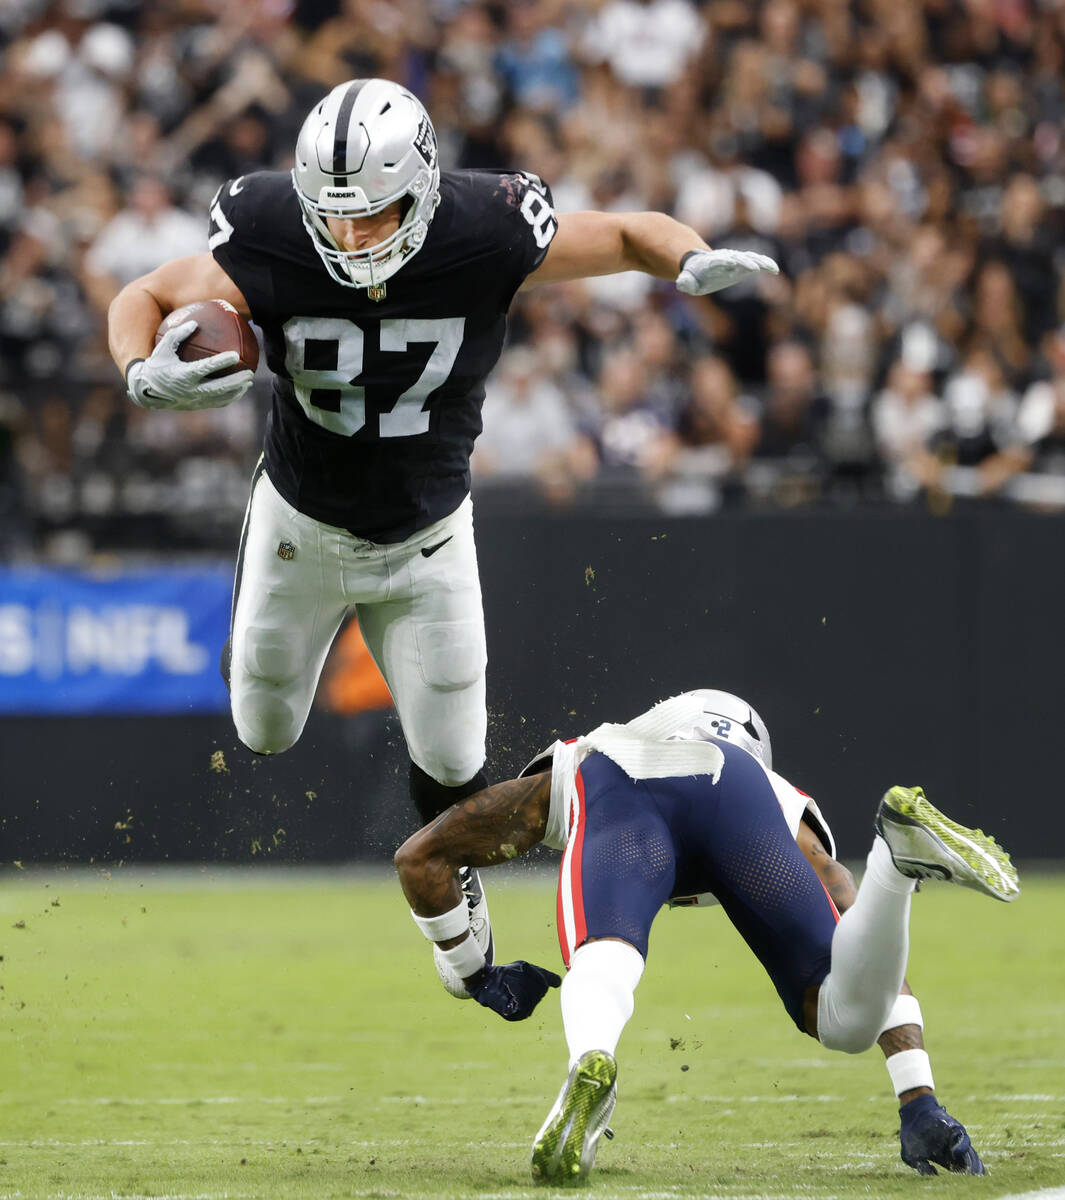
[220, 327]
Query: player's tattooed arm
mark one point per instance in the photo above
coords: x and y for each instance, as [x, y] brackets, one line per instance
[495, 825]
[491, 827]
[838, 881]
[840, 885]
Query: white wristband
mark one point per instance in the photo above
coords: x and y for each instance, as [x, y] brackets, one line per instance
[905, 1011]
[465, 959]
[910, 1069]
[446, 925]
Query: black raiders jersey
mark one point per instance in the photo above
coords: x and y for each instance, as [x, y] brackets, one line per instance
[376, 403]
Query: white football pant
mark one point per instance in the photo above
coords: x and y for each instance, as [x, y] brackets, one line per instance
[418, 604]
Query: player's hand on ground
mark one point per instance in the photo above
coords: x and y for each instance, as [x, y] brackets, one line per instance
[163, 380]
[930, 1135]
[512, 990]
[706, 271]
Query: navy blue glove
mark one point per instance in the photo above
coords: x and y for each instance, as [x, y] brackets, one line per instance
[512, 990]
[929, 1134]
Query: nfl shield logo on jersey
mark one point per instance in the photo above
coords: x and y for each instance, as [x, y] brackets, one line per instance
[286, 550]
[376, 291]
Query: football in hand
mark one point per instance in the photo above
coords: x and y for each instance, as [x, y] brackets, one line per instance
[219, 327]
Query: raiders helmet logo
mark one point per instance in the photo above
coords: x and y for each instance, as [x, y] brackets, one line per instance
[425, 143]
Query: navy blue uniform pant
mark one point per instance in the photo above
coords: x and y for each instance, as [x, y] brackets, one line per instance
[634, 844]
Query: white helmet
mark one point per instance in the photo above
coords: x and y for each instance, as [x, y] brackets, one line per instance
[367, 144]
[732, 720]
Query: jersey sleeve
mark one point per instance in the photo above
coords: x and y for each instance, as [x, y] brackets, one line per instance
[528, 223]
[798, 807]
[236, 236]
[564, 763]
[560, 759]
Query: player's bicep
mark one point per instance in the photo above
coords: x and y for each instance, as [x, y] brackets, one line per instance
[585, 243]
[186, 280]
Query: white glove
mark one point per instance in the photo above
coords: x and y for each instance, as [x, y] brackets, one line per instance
[706, 271]
[164, 381]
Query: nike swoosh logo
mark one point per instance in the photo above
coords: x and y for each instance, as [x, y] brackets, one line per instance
[430, 550]
[237, 186]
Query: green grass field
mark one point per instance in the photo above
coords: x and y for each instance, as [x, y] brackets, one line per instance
[247, 1034]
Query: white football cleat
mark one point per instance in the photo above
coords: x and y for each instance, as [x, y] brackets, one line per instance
[926, 844]
[480, 927]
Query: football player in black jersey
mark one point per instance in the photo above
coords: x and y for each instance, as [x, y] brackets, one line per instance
[381, 287]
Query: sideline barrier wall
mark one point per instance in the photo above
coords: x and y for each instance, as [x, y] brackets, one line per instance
[881, 648]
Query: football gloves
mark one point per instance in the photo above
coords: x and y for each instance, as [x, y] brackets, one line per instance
[929, 1134]
[512, 990]
[706, 271]
[164, 381]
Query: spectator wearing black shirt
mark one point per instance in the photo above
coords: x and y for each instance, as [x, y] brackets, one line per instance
[789, 460]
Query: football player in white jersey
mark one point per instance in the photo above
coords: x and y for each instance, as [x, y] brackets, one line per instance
[680, 803]
[381, 286]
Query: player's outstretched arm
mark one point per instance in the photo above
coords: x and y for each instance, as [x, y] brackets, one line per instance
[928, 1133]
[155, 375]
[493, 826]
[599, 243]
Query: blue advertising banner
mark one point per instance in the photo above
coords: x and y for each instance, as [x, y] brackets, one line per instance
[144, 641]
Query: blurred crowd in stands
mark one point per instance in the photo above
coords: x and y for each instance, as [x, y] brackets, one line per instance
[903, 160]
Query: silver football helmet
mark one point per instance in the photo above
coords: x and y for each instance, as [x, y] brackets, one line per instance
[368, 144]
[730, 719]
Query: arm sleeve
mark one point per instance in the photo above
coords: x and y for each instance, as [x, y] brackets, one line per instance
[236, 236]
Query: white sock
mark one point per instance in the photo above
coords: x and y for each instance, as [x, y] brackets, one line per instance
[597, 995]
[869, 951]
[879, 864]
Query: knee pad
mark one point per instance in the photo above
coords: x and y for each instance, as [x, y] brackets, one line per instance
[266, 718]
[273, 654]
[451, 654]
[850, 1027]
[266, 721]
[452, 770]
[449, 748]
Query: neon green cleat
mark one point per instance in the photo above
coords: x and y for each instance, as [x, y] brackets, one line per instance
[926, 844]
[565, 1147]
